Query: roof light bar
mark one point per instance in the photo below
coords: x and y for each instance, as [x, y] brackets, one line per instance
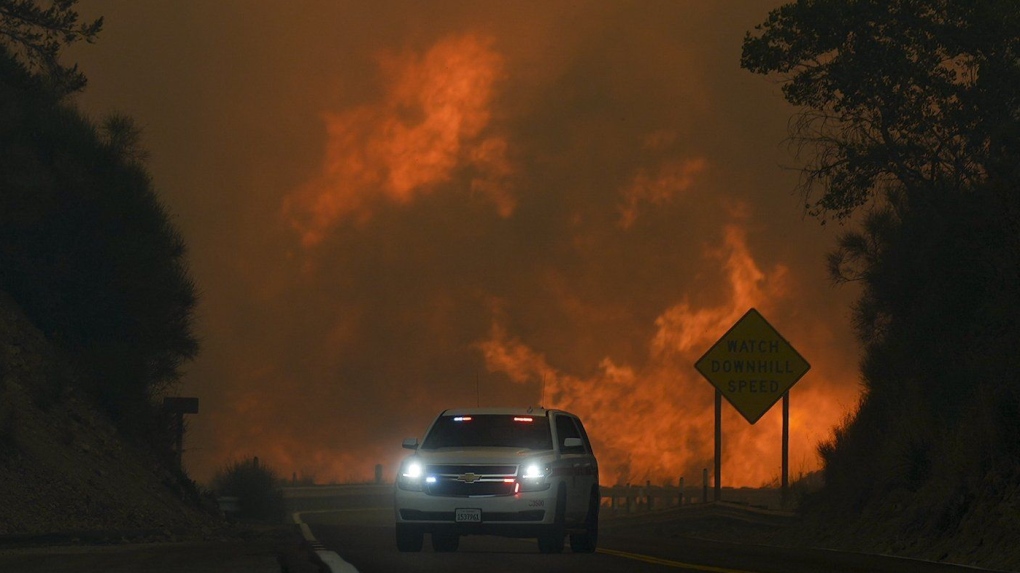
[462, 419]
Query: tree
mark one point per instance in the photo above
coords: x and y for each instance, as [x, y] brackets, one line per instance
[88, 250]
[912, 108]
[917, 94]
[35, 36]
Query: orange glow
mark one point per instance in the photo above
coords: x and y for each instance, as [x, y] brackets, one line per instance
[432, 122]
[672, 179]
[384, 206]
[655, 422]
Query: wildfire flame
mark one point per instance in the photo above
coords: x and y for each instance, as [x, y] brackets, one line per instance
[433, 130]
[655, 421]
[431, 122]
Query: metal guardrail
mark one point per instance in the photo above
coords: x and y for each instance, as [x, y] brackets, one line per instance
[633, 498]
[318, 497]
[617, 498]
[333, 490]
[229, 504]
[647, 497]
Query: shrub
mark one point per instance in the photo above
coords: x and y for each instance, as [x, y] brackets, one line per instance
[256, 488]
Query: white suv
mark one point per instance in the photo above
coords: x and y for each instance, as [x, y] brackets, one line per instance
[515, 472]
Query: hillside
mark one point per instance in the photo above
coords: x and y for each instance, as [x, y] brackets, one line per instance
[64, 469]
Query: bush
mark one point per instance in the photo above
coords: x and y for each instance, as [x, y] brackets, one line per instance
[256, 488]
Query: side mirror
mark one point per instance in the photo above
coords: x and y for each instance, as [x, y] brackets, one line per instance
[572, 443]
[412, 443]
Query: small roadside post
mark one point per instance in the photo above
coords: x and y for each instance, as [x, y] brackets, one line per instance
[178, 406]
[752, 366]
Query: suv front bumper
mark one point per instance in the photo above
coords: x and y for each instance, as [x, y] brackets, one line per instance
[523, 514]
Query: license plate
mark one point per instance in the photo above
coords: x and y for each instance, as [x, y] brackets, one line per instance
[468, 516]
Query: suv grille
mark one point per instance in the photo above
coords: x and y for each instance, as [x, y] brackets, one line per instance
[471, 480]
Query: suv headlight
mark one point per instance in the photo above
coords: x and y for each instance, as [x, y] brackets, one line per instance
[532, 476]
[411, 475]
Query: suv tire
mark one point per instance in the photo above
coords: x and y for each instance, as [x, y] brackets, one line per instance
[409, 538]
[551, 541]
[587, 542]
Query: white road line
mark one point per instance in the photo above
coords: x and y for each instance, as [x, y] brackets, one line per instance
[332, 560]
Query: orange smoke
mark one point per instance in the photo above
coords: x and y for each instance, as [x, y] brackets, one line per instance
[655, 421]
[431, 122]
[672, 179]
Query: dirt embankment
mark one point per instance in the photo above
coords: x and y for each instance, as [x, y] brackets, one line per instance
[64, 469]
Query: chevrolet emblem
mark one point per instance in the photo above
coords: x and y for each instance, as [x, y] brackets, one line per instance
[468, 478]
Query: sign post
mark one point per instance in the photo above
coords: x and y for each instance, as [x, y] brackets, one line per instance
[752, 366]
[718, 445]
[786, 446]
[179, 406]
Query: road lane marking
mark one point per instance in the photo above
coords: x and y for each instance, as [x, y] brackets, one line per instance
[668, 563]
[330, 559]
[346, 510]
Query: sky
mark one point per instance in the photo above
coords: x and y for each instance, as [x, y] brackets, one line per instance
[394, 208]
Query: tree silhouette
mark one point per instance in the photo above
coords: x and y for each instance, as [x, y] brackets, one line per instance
[88, 250]
[912, 108]
[35, 35]
[913, 94]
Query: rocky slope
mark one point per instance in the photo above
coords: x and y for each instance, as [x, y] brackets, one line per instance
[64, 469]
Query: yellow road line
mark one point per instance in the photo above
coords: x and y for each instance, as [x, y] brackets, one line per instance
[667, 562]
[346, 510]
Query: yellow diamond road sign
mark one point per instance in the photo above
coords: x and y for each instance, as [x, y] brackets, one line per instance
[752, 365]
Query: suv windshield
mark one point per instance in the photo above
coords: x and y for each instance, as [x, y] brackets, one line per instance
[490, 430]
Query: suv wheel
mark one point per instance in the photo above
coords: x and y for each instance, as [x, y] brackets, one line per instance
[551, 541]
[409, 538]
[445, 542]
[587, 541]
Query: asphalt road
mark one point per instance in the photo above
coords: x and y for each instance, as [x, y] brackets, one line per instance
[360, 528]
